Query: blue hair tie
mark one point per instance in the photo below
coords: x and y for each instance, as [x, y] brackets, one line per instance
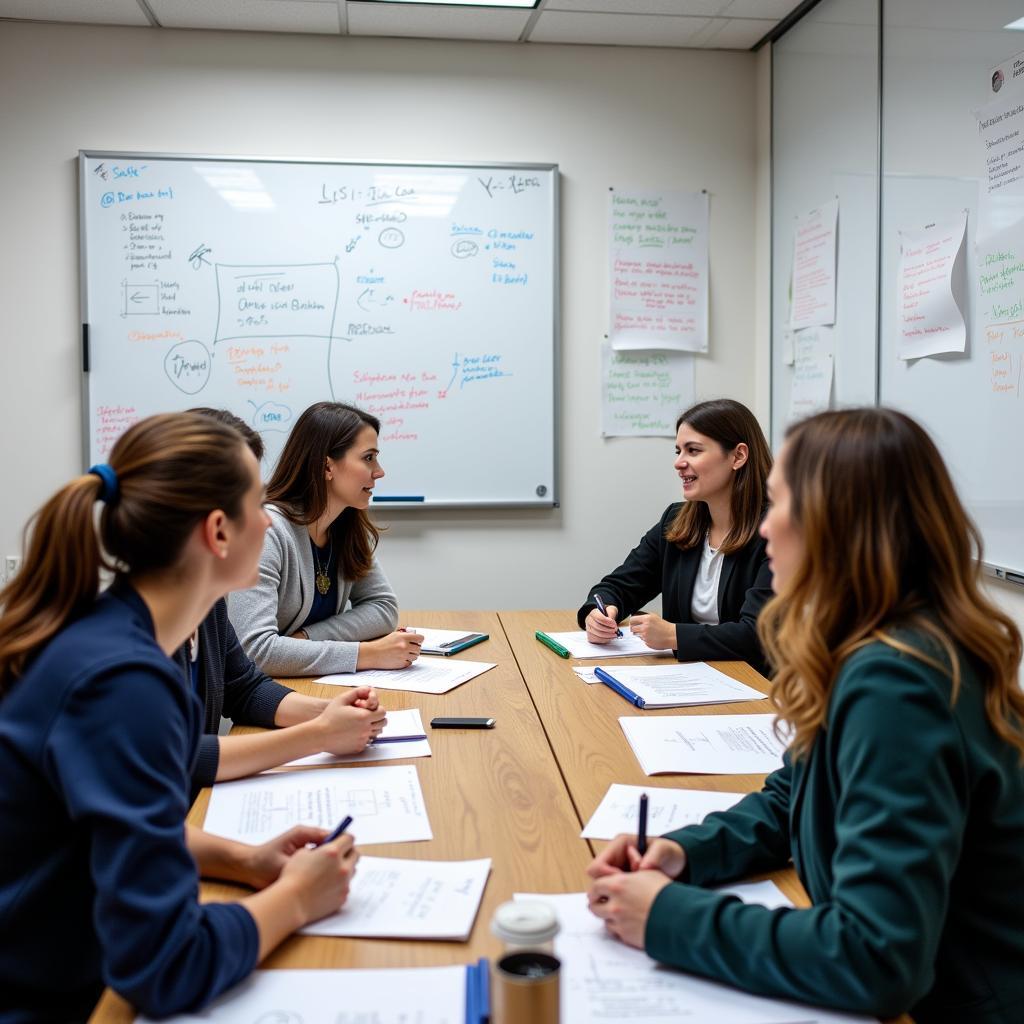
[109, 477]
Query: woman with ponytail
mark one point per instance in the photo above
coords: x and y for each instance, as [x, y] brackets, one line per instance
[901, 797]
[99, 730]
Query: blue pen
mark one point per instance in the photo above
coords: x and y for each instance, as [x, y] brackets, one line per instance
[344, 824]
[622, 691]
[604, 611]
[483, 968]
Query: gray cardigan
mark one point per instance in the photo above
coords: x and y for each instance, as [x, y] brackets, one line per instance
[265, 615]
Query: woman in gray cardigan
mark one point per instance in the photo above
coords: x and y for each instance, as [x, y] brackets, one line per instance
[323, 604]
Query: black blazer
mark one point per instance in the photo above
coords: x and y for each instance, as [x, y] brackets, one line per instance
[655, 567]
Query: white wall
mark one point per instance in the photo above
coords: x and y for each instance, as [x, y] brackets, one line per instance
[606, 115]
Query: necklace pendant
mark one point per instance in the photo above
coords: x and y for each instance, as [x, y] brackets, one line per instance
[323, 581]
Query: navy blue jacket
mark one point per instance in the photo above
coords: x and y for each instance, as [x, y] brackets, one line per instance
[229, 685]
[655, 567]
[97, 886]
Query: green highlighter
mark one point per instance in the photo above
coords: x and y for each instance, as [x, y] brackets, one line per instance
[553, 644]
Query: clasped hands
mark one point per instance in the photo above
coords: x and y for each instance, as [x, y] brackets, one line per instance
[625, 884]
[658, 634]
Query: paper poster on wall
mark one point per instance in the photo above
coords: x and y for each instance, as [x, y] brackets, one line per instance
[932, 280]
[999, 136]
[643, 393]
[814, 351]
[814, 267]
[658, 270]
[999, 291]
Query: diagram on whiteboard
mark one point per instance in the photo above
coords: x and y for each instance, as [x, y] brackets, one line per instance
[424, 295]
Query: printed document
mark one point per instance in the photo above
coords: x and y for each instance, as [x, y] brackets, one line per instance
[403, 736]
[386, 804]
[604, 980]
[625, 646]
[667, 809]
[394, 995]
[705, 744]
[424, 675]
[681, 685]
[409, 899]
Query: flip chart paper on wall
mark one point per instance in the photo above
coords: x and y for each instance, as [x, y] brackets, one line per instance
[426, 295]
[932, 270]
[814, 267]
[643, 393]
[658, 270]
[813, 371]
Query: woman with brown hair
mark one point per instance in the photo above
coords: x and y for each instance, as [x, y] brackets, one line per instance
[322, 603]
[704, 556]
[98, 731]
[901, 798]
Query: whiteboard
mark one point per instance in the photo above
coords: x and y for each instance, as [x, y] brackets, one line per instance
[424, 294]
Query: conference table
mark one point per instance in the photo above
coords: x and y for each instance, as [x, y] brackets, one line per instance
[519, 793]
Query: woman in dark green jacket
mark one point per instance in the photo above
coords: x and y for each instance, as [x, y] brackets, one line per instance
[901, 800]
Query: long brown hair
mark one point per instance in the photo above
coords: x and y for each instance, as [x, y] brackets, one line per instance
[728, 424]
[887, 545]
[172, 470]
[299, 487]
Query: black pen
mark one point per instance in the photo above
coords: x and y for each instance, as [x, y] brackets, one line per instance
[604, 611]
[641, 838]
[345, 822]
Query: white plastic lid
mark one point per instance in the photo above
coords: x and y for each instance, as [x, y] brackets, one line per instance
[524, 923]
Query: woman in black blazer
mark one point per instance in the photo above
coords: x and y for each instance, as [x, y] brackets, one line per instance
[704, 556]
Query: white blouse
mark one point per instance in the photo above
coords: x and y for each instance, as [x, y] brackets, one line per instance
[704, 604]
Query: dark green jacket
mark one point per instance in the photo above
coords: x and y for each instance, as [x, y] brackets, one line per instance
[906, 826]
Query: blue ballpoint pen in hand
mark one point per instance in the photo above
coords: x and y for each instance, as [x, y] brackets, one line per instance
[641, 832]
[603, 610]
[344, 824]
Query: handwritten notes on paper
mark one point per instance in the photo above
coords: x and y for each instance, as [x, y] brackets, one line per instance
[644, 392]
[813, 369]
[425, 675]
[1000, 302]
[814, 267]
[386, 803]
[932, 269]
[1000, 124]
[658, 270]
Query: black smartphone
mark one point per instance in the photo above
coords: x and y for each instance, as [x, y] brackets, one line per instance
[462, 723]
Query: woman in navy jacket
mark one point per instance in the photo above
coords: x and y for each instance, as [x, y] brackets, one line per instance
[704, 556]
[99, 730]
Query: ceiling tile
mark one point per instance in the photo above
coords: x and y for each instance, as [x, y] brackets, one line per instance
[738, 34]
[615, 29]
[694, 8]
[764, 9]
[492, 24]
[85, 12]
[320, 16]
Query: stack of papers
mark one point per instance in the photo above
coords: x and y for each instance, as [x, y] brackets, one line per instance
[447, 641]
[425, 675]
[667, 810]
[403, 736]
[675, 685]
[625, 646]
[603, 979]
[386, 803]
[409, 899]
[705, 744]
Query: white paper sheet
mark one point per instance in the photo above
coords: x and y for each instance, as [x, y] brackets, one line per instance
[642, 393]
[999, 137]
[814, 267]
[686, 684]
[424, 675]
[403, 736]
[658, 270]
[814, 351]
[587, 674]
[705, 744]
[409, 899]
[763, 894]
[399, 995]
[605, 980]
[386, 804]
[435, 639]
[932, 275]
[667, 809]
[626, 646]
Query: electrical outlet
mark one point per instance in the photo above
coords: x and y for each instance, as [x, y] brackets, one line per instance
[12, 563]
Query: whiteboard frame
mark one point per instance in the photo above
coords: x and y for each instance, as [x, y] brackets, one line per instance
[556, 284]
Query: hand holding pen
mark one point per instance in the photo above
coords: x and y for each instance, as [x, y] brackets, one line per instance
[600, 622]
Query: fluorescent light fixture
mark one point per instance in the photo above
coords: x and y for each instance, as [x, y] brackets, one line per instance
[1017, 26]
[519, 4]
